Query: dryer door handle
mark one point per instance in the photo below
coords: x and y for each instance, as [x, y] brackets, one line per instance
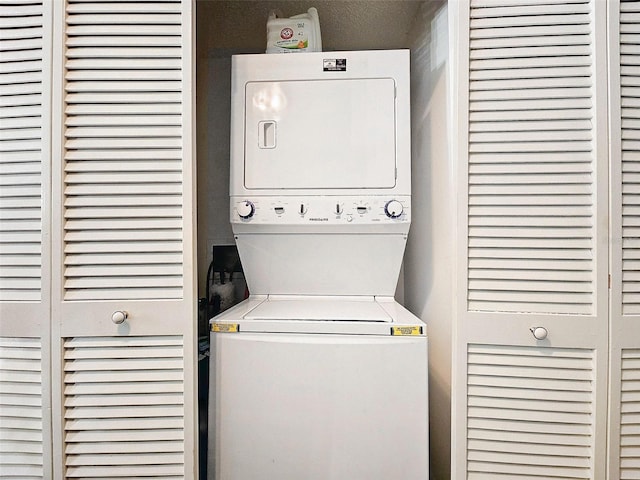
[267, 134]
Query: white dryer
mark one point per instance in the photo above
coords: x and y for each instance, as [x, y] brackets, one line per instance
[320, 374]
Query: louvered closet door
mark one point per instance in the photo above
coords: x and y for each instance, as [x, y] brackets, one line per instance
[25, 153]
[124, 242]
[624, 455]
[532, 160]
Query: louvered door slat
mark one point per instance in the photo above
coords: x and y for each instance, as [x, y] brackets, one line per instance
[535, 430]
[126, 447]
[119, 29]
[491, 122]
[21, 413]
[629, 56]
[125, 17]
[119, 112]
[504, 92]
[21, 150]
[108, 65]
[625, 160]
[163, 6]
[15, 75]
[124, 40]
[145, 97]
[25, 41]
[22, 56]
[163, 398]
[103, 258]
[111, 50]
[119, 120]
[630, 415]
[133, 166]
[109, 396]
[526, 10]
[492, 41]
[493, 18]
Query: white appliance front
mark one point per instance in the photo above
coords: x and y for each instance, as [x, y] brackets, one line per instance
[321, 264]
[320, 374]
[320, 134]
[318, 388]
[322, 123]
[311, 406]
[320, 171]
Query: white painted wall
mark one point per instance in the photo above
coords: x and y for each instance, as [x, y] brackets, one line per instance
[429, 255]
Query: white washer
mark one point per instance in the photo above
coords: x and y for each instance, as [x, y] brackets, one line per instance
[320, 374]
[319, 389]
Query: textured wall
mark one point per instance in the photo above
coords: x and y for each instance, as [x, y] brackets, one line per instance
[345, 24]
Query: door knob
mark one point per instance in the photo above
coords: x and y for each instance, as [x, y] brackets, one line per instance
[119, 316]
[539, 332]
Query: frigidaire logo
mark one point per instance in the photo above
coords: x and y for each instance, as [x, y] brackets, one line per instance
[319, 219]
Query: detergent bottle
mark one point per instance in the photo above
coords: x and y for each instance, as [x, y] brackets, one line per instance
[300, 33]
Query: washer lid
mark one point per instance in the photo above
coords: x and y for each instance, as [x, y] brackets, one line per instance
[379, 316]
[328, 310]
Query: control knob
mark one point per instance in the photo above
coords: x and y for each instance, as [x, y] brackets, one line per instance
[393, 209]
[245, 209]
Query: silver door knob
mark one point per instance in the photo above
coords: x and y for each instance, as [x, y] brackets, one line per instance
[540, 333]
[119, 316]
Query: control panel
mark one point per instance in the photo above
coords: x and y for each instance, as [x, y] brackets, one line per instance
[321, 210]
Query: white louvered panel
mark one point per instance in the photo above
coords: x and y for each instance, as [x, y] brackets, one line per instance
[630, 139]
[530, 413]
[21, 77]
[123, 157]
[21, 437]
[124, 396]
[625, 159]
[531, 164]
[630, 415]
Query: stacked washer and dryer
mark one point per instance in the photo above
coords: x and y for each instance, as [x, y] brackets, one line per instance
[320, 374]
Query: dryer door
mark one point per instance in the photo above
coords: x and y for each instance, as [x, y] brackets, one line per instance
[320, 134]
